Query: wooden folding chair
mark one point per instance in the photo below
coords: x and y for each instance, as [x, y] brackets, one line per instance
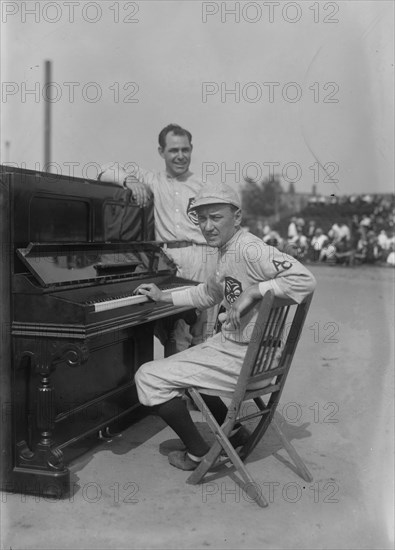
[264, 372]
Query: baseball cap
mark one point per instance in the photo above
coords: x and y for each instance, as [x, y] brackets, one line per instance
[216, 193]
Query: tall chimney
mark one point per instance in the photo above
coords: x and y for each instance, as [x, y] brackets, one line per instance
[47, 117]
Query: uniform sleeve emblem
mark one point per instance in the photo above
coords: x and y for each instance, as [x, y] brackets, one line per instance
[191, 213]
[233, 289]
[282, 266]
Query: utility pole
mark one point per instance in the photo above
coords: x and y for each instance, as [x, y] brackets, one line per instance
[47, 117]
[7, 151]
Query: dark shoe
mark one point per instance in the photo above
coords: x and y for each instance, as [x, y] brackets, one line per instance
[240, 438]
[181, 460]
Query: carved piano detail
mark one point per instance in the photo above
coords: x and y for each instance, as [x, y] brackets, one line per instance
[73, 333]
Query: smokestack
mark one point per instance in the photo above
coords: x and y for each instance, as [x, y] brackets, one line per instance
[47, 116]
[7, 151]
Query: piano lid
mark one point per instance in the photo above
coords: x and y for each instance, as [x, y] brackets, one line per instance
[76, 263]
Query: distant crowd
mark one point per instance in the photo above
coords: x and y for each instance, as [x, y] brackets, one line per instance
[364, 239]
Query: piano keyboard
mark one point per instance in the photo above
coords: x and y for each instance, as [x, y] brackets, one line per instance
[132, 300]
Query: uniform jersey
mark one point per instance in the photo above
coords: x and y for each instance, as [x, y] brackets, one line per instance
[243, 261]
[175, 221]
[173, 198]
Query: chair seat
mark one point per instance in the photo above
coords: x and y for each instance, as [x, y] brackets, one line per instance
[258, 385]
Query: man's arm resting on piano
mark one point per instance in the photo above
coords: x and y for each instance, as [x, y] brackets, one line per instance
[140, 182]
[141, 193]
[136, 181]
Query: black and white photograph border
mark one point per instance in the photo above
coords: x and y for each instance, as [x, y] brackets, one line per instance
[290, 103]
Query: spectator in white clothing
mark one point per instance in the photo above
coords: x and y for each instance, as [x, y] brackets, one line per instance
[317, 243]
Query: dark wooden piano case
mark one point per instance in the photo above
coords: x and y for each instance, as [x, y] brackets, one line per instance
[67, 371]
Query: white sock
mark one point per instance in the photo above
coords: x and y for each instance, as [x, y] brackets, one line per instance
[195, 458]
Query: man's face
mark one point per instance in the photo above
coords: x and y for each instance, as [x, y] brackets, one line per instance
[177, 154]
[218, 223]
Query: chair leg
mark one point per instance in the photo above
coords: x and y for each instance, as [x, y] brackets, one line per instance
[300, 465]
[221, 443]
[206, 463]
[212, 456]
[253, 441]
[217, 446]
[258, 432]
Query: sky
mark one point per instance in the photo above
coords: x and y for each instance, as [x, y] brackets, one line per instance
[299, 89]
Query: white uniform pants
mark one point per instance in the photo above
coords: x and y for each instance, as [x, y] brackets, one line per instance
[214, 364]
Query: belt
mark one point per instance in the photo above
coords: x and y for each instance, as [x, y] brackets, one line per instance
[181, 244]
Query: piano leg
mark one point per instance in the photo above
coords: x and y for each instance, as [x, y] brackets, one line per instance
[39, 467]
[62, 391]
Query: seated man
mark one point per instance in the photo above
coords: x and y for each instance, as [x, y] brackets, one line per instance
[246, 268]
[328, 252]
[317, 243]
[344, 253]
[391, 256]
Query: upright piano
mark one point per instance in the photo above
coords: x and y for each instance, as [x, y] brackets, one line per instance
[73, 333]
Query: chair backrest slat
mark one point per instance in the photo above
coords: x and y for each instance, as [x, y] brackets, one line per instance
[260, 359]
[267, 342]
[276, 342]
[271, 341]
[271, 348]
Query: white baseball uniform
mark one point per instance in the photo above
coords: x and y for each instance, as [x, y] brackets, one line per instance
[243, 261]
[174, 221]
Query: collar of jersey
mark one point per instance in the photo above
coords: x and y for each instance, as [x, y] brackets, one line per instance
[228, 245]
[183, 177]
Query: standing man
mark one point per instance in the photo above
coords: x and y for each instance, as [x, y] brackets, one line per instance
[246, 269]
[176, 225]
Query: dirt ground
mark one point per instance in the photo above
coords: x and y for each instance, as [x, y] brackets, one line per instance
[338, 409]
